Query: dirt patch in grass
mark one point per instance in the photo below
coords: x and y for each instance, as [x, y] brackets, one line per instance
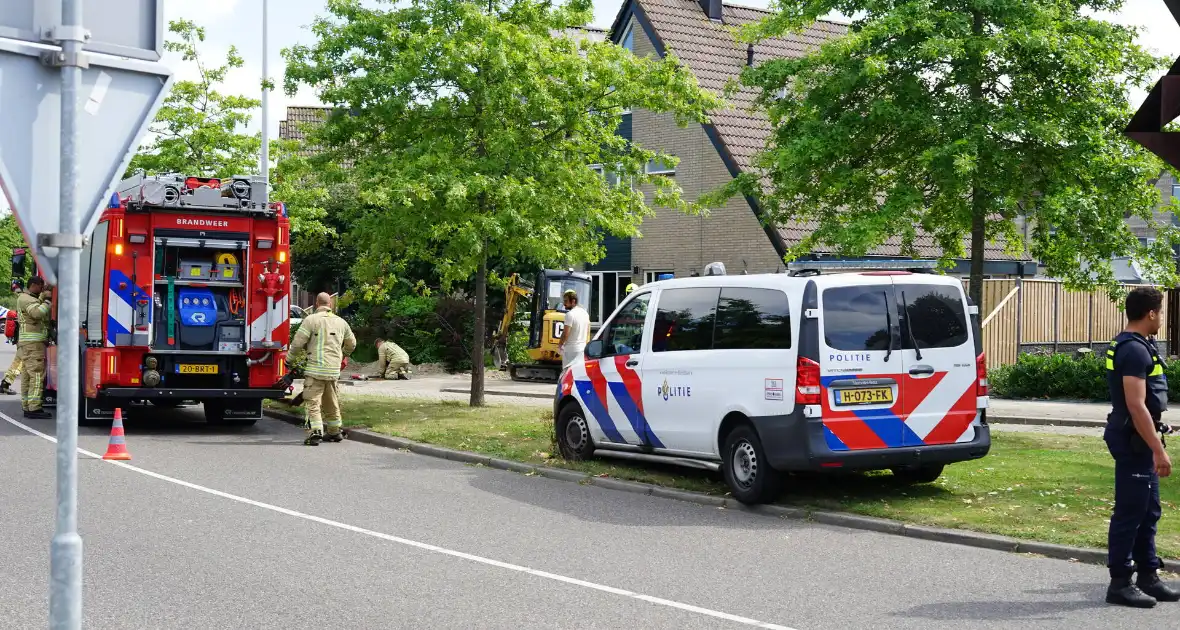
[1053, 488]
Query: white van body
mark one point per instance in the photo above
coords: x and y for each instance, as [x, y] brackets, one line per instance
[760, 375]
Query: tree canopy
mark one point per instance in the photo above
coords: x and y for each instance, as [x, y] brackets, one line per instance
[198, 128]
[471, 128]
[955, 119]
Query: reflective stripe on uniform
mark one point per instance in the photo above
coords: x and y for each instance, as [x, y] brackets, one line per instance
[1156, 370]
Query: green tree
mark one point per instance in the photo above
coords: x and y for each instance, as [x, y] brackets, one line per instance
[956, 118]
[471, 128]
[10, 238]
[200, 130]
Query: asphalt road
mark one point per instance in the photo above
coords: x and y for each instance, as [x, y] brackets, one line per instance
[246, 528]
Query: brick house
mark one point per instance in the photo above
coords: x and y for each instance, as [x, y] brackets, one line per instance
[1169, 193]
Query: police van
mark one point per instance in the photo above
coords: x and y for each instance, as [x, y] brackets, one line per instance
[763, 375]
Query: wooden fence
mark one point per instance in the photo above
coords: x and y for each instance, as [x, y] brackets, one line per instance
[1023, 316]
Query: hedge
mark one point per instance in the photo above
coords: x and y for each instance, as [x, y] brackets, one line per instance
[1062, 376]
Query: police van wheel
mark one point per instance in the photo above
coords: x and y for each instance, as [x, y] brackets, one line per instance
[573, 433]
[919, 474]
[747, 472]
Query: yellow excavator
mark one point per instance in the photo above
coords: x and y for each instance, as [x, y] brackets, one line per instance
[546, 322]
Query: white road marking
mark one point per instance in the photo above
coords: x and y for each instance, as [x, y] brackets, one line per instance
[419, 545]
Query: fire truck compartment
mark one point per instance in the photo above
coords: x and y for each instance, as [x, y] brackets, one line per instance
[199, 296]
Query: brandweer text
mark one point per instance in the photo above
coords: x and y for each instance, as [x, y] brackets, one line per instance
[201, 222]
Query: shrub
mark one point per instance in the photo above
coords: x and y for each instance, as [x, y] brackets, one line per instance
[518, 345]
[1062, 376]
[429, 329]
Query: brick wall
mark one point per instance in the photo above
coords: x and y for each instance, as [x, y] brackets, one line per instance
[673, 241]
[1138, 226]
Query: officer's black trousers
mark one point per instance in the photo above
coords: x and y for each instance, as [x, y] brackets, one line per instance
[1136, 510]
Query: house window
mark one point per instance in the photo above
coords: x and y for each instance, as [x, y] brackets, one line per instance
[628, 41]
[1176, 192]
[653, 276]
[658, 167]
[612, 178]
[607, 290]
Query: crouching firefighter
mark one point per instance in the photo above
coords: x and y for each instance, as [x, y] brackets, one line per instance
[328, 340]
[1134, 436]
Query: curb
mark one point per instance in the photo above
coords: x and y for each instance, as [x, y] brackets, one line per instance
[1047, 422]
[498, 392]
[838, 519]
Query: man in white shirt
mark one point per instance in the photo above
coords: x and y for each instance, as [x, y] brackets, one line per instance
[577, 329]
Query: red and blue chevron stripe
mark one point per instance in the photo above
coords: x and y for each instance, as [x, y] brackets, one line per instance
[863, 429]
[596, 390]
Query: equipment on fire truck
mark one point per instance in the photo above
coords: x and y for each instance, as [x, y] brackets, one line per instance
[268, 285]
[172, 190]
[546, 322]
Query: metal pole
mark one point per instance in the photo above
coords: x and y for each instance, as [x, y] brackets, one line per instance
[265, 160]
[65, 599]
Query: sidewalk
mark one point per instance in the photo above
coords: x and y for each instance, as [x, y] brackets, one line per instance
[1064, 414]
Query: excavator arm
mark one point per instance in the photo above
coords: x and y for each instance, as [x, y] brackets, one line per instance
[513, 293]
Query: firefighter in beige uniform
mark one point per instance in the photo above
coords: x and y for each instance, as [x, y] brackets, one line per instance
[14, 368]
[392, 362]
[32, 310]
[328, 340]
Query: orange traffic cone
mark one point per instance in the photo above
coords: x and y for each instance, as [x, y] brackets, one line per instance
[117, 449]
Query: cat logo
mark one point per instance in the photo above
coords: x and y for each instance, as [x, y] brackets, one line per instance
[558, 328]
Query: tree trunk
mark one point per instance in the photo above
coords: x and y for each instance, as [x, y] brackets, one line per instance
[978, 198]
[481, 329]
[978, 228]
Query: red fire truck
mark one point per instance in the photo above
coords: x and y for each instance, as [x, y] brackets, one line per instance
[185, 298]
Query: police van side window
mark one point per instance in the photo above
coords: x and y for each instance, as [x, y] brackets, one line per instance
[857, 318]
[935, 314]
[624, 333]
[685, 319]
[752, 318]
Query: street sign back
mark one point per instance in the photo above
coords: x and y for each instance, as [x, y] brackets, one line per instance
[127, 28]
[118, 101]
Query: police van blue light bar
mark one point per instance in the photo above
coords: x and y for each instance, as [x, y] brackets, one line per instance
[873, 265]
[115, 201]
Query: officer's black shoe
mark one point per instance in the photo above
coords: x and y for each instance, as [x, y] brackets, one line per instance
[39, 414]
[1122, 592]
[1151, 585]
[333, 437]
[314, 439]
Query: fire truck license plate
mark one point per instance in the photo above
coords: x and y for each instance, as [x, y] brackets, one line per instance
[190, 368]
[866, 396]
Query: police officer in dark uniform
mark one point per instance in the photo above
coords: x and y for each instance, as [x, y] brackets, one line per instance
[1139, 396]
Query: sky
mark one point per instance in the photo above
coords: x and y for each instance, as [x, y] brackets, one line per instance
[237, 22]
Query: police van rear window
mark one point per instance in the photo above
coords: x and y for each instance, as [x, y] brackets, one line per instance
[856, 318]
[935, 314]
